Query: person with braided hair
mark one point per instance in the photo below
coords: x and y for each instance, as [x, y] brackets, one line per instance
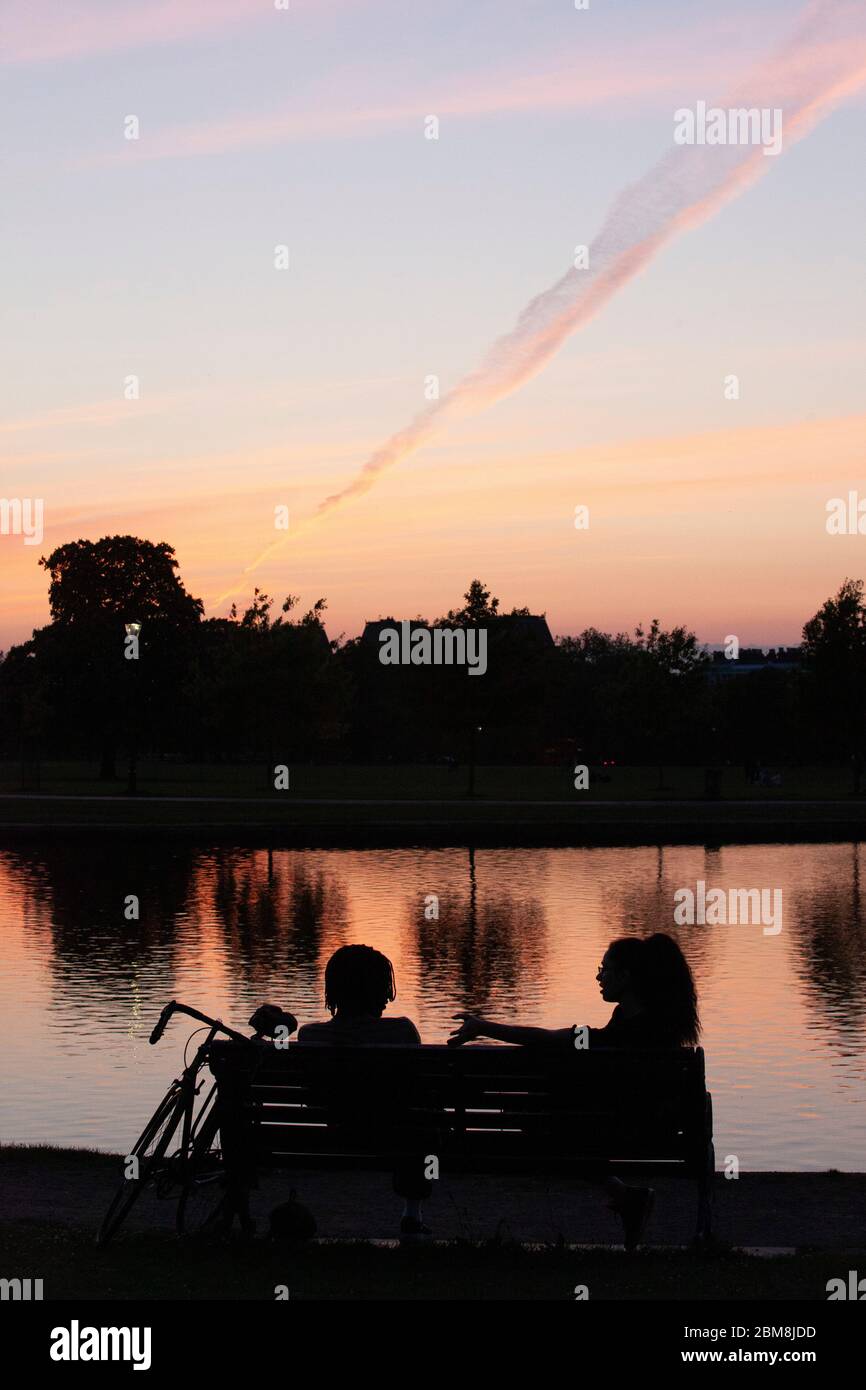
[359, 984]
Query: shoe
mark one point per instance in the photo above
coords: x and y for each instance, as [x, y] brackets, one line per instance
[634, 1206]
[413, 1230]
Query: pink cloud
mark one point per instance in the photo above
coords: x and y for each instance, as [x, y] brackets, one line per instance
[345, 106]
[675, 67]
[66, 29]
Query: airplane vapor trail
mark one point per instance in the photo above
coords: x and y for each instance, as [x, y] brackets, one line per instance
[822, 63]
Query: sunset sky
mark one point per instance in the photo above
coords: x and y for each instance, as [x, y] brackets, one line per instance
[409, 257]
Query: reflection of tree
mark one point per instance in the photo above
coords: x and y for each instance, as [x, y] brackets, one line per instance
[646, 905]
[274, 909]
[478, 953]
[828, 931]
[80, 890]
[259, 916]
[829, 937]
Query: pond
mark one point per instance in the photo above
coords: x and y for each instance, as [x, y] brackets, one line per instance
[514, 933]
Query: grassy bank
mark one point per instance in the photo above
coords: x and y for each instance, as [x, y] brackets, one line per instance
[159, 1266]
[534, 804]
[426, 782]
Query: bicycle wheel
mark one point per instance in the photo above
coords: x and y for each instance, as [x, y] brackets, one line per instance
[200, 1206]
[149, 1149]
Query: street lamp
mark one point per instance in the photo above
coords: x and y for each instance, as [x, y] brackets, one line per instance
[133, 630]
[474, 729]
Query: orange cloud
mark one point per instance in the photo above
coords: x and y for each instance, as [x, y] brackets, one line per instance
[693, 526]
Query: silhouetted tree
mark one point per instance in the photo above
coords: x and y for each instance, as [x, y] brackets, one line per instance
[265, 688]
[96, 588]
[267, 685]
[121, 577]
[834, 647]
[478, 607]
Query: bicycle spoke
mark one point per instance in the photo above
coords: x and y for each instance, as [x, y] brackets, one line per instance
[148, 1151]
[199, 1208]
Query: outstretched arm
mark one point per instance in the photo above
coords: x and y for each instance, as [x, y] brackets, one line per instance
[474, 1027]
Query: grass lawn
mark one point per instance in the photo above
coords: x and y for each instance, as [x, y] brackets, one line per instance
[159, 1266]
[323, 796]
[427, 782]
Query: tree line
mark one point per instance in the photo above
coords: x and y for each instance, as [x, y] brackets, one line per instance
[267, 683]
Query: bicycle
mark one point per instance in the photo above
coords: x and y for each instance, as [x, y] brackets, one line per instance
[193, 1171]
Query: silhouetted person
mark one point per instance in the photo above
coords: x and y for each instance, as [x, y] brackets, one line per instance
[651, 984]
[359, 984]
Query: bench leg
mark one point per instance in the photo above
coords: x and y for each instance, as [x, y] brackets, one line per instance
[235, 1203]
[704, 1227]
[706, 1179]
[235, 1116]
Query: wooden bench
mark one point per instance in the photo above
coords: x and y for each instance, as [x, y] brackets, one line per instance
[493, 1108]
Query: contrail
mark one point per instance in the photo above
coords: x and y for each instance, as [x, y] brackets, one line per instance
[821, 64]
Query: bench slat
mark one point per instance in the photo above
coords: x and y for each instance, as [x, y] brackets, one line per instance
[488, 1104]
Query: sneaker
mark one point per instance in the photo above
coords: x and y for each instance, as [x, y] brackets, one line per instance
[634, 1206]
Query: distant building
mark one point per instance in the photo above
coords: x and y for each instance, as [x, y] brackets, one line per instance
[752, 660]
[527, 627]
[372, 631]
[523, 628]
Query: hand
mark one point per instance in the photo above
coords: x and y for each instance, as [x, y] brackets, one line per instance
[268, 1017]
[472, 1027]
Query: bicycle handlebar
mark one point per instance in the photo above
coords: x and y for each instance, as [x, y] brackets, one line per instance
[175, 1008]
[163, 1020]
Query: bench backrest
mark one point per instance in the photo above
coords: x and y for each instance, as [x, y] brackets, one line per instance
[487, 1104]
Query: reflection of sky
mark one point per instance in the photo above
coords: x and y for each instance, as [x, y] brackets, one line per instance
[408, 257]
[783, 1016]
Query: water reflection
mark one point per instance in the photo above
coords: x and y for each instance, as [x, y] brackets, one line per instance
[516, 933]
[81, 895]
[639, 903]
[830, 937]
[274, 912]
[483, 955]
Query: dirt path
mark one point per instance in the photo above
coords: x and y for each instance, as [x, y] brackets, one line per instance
[820, 1210]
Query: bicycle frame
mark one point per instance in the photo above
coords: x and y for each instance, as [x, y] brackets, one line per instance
[189, 1084]
[189, 1091]
[167, 1170]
